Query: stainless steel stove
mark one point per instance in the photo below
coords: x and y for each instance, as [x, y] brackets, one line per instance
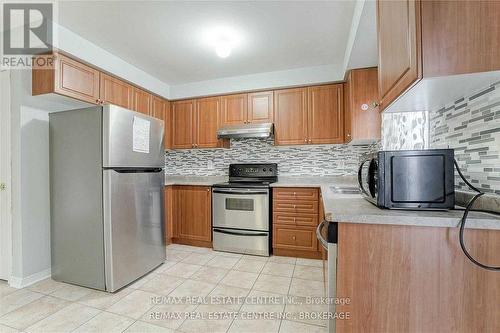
[241, 215]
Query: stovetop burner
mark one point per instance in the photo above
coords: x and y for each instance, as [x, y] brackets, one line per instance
[251, 175]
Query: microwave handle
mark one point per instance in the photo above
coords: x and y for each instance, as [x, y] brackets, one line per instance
[359, 176]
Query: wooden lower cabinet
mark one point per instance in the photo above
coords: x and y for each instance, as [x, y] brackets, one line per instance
[191, 215]
[416, 279]
[295, 218]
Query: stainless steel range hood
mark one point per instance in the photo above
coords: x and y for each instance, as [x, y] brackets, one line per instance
[245, 131]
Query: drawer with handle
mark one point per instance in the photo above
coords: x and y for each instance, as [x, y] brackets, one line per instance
[295, 193]
[310, 207]
[295, 219]
[295, 238]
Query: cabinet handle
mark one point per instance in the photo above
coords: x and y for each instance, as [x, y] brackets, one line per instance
[310, 140]
[348, 135]
[375, 104]
[294, 206]
[305, 140]
[293, 237]
[294, 193]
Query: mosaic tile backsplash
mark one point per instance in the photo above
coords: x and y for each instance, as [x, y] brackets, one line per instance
[471, 125]
[314, 160]
[405, 130]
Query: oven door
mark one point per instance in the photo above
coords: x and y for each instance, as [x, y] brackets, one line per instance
[240, 208]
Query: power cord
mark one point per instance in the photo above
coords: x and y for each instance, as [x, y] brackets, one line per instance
[468, 209]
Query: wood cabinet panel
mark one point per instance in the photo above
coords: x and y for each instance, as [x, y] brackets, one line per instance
[76, 80]
[460, 37]
[192, 212]
[157, 107]
[308, 207]
[142, 101]
[66, 77]
[182, 115]
[295, 219]
[234, 109]
[261, 107]
[206, 122]
[290, 116]
[115, 91]
[362, 120]
[399, 45]
[295, 238]
[295, 193]
[413, 273]
[325, 114]
[169, 205]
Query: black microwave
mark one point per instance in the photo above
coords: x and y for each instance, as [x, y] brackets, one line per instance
[409, 179]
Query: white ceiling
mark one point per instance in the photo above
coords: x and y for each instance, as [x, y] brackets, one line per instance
[165, 38]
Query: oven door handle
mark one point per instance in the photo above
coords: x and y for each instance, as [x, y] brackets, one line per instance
[319, 229]
[240, 233]
[239, 192]
[360, 180]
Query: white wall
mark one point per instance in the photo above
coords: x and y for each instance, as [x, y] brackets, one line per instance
[35, 204]
[30, 184]
[286, 78]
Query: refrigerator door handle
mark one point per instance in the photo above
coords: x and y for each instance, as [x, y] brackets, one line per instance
[135, 170]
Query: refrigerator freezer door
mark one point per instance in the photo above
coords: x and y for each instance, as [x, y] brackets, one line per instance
[133, 225]
[131, 139]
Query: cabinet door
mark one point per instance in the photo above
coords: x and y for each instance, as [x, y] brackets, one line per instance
[182, 115]
[295, 238]
[157, 107]
[290, 116]
[76, 80]
[192, 212]
[260, 107]
[115, 91]
[365, 119]
[325, 114]
[234, 109]
[168, 211]
[399, 45]
[167, 118]
[142, 101]
[206, 122]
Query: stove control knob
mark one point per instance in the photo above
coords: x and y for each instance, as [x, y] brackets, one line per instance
[271, 170]
[264, 169]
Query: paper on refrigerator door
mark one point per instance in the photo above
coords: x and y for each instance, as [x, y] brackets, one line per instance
[140, 136]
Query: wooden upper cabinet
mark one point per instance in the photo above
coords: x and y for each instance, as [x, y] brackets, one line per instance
[399, 41]
[325, 114]
[182, 116]
[206, 122]
[361, 116]
[260, 107]
[234, 109]
[142, 101]
[115, 91]
[158, 107]
[460, 37]
[418, 40]
[67, 77]
[192, 213]
[290, 116]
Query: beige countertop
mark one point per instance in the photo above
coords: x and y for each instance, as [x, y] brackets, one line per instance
[353, 208]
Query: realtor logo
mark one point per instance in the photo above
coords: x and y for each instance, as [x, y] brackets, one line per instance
[27, 28]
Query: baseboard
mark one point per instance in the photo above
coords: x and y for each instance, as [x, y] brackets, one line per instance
[18, 282]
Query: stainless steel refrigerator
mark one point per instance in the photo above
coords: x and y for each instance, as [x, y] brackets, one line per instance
[106, 196]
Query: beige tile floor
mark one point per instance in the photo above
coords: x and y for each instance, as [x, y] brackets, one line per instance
[206, 281]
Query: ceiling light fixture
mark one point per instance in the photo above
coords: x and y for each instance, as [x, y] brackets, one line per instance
[223, 49]
[223, 39]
